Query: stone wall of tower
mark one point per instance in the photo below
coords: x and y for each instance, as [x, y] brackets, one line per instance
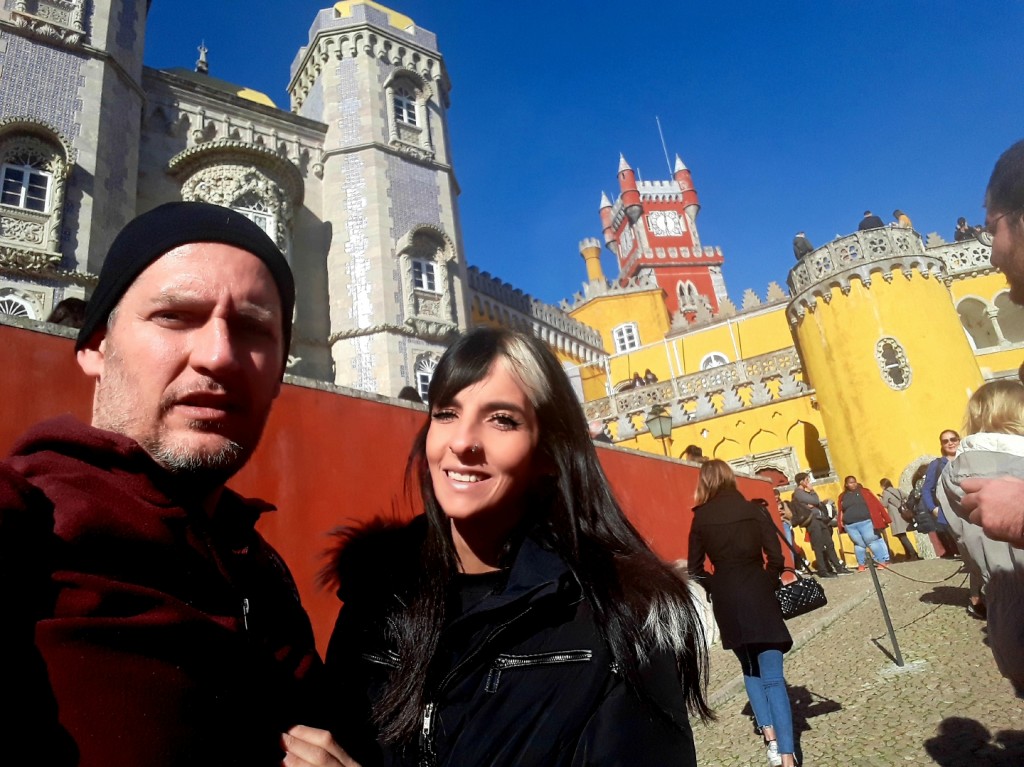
[387, 192]
[883, 347]
[81, 80]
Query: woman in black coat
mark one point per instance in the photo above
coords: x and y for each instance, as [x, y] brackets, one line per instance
[521, 620]
[738, 536]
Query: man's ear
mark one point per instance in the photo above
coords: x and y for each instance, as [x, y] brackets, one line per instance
[92, 356]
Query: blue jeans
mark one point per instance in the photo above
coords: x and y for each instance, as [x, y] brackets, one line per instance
[766, 689]
[863, 536]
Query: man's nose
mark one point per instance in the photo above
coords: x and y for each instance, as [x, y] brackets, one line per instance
[213, 347]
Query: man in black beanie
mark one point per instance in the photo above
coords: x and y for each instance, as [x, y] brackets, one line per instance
[146, 621]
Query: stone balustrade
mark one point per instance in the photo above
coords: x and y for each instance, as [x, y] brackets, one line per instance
[708, 394]
[878, 251]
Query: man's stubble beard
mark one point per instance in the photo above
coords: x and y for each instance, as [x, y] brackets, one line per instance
[200, 466]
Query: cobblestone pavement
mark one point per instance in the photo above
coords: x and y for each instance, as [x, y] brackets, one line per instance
[852, 705]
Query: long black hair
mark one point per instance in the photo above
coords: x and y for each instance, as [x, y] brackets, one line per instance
[641, 604]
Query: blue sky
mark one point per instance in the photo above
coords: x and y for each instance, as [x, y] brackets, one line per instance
[794, 115]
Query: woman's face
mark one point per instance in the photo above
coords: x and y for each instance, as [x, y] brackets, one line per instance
[481, 449]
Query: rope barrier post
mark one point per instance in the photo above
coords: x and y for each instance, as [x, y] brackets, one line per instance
[885, 609]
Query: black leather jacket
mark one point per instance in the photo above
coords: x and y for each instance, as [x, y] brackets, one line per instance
[521, 678]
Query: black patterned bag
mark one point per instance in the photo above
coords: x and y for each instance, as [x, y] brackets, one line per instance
[801, 596]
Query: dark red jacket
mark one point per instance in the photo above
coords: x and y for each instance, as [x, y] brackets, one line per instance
[168, 638]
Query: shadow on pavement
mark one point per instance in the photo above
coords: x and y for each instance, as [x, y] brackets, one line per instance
[967, 742]
[946, 595]
[806, 704]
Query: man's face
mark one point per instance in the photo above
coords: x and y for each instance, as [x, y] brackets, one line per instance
[806, 483]
[192, 359]
[1008, 249]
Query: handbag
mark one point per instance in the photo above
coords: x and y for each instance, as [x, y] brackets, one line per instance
[801, 596]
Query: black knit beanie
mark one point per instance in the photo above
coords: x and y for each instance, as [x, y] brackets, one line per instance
[147, 237]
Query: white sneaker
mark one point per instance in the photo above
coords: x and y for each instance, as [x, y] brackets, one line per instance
[774, 759]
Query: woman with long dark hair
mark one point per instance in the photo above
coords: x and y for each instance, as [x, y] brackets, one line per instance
[742, 543]
[521, 620]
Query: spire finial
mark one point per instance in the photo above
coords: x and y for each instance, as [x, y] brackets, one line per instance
[202, 65]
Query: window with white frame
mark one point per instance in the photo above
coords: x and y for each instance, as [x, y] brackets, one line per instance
[26, 187]
[713, 360]
[405, 105]
[425, 367]
[424, 275]
[260, 214]
[626, 337]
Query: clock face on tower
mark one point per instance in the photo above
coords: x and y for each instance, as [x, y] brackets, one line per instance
[664, 223]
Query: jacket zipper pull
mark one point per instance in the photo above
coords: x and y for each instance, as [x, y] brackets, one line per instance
[245, 613]
[427, 756]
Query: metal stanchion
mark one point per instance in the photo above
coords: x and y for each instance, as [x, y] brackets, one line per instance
[885, 609]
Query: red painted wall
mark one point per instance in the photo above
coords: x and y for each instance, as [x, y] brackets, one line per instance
[330, 458]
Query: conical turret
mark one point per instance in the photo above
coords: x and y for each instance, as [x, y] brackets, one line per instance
[630, 194]
[611, 240]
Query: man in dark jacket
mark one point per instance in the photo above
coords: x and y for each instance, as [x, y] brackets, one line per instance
[801, 245]
[809, 512]
[146, 621]
[870, 221]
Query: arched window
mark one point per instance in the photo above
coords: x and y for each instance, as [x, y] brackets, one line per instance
[626, 336]
[405, 106]
[34, 167]
[713, 360]
[425, 367]
[688, 294]
[257, 211]
[892, 363]
[975, 319]
[1010, 318]
[27, 186]
[16, 307]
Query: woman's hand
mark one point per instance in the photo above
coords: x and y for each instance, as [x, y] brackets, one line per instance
[310, 747]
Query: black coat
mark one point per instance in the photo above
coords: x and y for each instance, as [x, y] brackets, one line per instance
[735, 535]
[522, 678]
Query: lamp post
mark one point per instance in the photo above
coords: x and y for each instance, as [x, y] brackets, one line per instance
[659, 424]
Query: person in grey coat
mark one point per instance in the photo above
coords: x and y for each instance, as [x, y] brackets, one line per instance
[995, 416]
[892, 499]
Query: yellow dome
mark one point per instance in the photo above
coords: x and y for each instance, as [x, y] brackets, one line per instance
[396, 19]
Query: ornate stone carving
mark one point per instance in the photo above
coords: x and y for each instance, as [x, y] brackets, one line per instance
[55, 20]
[238, 186]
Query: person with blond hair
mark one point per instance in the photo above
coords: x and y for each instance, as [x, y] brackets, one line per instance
[994, 447]
[742, 543]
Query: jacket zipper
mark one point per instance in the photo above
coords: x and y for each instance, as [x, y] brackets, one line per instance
[427, 755]
[245, 613]
[503, 662]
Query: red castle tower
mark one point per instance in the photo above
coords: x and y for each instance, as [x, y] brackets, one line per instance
[652, 229]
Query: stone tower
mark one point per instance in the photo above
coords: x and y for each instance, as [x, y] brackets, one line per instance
[70, 108]
[396, 281]
[652, 230]
[884, 348]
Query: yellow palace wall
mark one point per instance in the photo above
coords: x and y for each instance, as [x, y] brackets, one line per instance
[874, 430]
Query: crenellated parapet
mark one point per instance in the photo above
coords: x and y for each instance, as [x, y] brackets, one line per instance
[706, 394]
[510, 307]
[351, 30]
[861, 255]
[597, 288]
